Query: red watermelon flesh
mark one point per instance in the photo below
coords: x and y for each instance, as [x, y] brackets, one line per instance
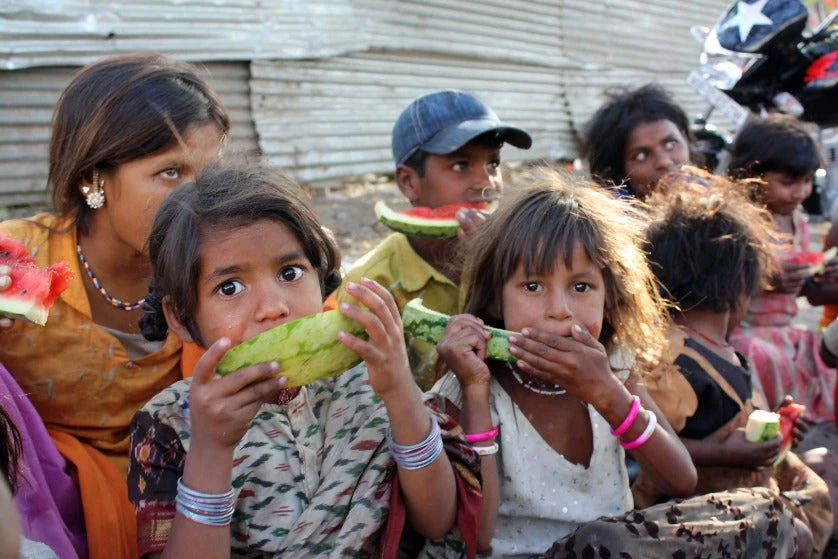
[789, 414]
[448, 211]
[814, 259]
[33, 289]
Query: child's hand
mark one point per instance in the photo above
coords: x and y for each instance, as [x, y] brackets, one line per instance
[222, 408]
[384, 353]
[741, 452]
[463, 348]
[791, 277]
[470, 221]
[5, 283]
[578, 364]
[829, 274]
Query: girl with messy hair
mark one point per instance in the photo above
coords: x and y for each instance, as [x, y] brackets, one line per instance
[240, 465]
[561, 265]
[710, 248]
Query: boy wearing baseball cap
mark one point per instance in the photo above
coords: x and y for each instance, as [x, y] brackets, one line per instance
[446, 146]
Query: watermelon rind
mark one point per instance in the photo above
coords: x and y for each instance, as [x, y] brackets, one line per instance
[828, 255]
[762, 426]
[428, 325]
[413, 226]
[307, 349]
[23, 309]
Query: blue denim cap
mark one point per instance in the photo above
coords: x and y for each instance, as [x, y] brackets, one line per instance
[444, 121]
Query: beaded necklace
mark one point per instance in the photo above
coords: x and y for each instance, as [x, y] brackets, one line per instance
[124, 305]
[539, 388]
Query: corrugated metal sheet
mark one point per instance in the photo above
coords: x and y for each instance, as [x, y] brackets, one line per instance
[28, 97]
[74, 32]
[332, 118]
[330, 76]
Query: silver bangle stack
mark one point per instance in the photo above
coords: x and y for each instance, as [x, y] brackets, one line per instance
[419, 455]
[211, 509]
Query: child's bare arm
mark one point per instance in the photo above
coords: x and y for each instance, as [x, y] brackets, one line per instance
[221, 409]
[463, 348]
[734, 451]
[429, 492]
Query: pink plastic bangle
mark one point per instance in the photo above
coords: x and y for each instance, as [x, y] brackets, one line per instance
[632, 415]
[645, 435]
[484, 436]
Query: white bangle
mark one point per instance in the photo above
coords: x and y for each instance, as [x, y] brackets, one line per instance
[487, 450]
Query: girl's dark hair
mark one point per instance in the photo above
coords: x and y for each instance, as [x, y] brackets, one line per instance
[119, 109]
[540, 226]
[10, 449]
[778, 143]
[606, 133]
[708, 243]
[223, 199]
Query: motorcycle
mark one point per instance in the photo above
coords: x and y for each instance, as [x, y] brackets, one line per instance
[759, 58]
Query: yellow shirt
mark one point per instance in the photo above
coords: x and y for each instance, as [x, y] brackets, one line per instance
[79, 377]
[395, 265]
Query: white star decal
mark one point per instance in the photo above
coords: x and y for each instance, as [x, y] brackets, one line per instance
[747, 16]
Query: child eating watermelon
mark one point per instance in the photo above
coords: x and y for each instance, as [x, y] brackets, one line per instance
[710, 249]
[446, 146]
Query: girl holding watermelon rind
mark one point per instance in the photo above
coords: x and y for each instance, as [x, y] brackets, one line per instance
[126, 130]
[351, 465]
[710, 248]
[561, 263]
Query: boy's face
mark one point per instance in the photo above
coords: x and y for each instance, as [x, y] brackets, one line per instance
[652, 150]
[470, 174]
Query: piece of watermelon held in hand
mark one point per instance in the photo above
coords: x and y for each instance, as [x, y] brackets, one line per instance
[33, 289]
[428, 223]
[789, 414]
[815, 259]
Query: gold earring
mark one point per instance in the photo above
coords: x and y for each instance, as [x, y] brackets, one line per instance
[95, 194]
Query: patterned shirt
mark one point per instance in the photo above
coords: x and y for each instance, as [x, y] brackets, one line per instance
[313, 475]
[395, 265]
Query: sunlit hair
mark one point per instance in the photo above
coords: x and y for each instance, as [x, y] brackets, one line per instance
[539, 227]
[223, 199]
[708, 243]
[778, 143]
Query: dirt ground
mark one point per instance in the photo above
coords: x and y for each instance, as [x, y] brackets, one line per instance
[348, 212]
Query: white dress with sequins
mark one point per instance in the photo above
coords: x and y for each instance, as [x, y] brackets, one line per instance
[543, 496]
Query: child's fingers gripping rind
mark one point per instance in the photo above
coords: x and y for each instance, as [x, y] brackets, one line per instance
[385, 296]
[204, 371]
[262, 391]
[241, 379]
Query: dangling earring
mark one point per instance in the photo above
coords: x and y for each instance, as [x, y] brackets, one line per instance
[95, 194]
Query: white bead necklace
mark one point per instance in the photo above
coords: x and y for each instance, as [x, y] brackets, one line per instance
[544, 390]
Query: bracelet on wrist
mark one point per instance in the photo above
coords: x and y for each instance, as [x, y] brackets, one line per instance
[487, 450]
[419, 455]
[211, 509]
[631, 416]
[645, 435]
[481, 437]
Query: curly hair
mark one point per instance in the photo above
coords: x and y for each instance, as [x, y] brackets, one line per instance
[708, 243]
[539, 228]
[607, 131]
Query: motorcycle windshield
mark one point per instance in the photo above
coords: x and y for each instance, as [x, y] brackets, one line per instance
[752, 26]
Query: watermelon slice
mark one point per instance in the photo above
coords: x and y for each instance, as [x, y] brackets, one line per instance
[307, 349]
[33, 289]
[789, 414]
[815, 259]
[428, 325]
[428, 223]
[762, 426]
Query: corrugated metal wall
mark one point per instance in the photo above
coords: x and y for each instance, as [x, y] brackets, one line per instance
[27, 98]
[329, 77]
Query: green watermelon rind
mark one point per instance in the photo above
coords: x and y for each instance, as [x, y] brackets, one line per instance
[413, 226]
[428, 325]
[18, 308]
[307, 349]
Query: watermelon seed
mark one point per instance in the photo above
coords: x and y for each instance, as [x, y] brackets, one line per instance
[23, 291]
